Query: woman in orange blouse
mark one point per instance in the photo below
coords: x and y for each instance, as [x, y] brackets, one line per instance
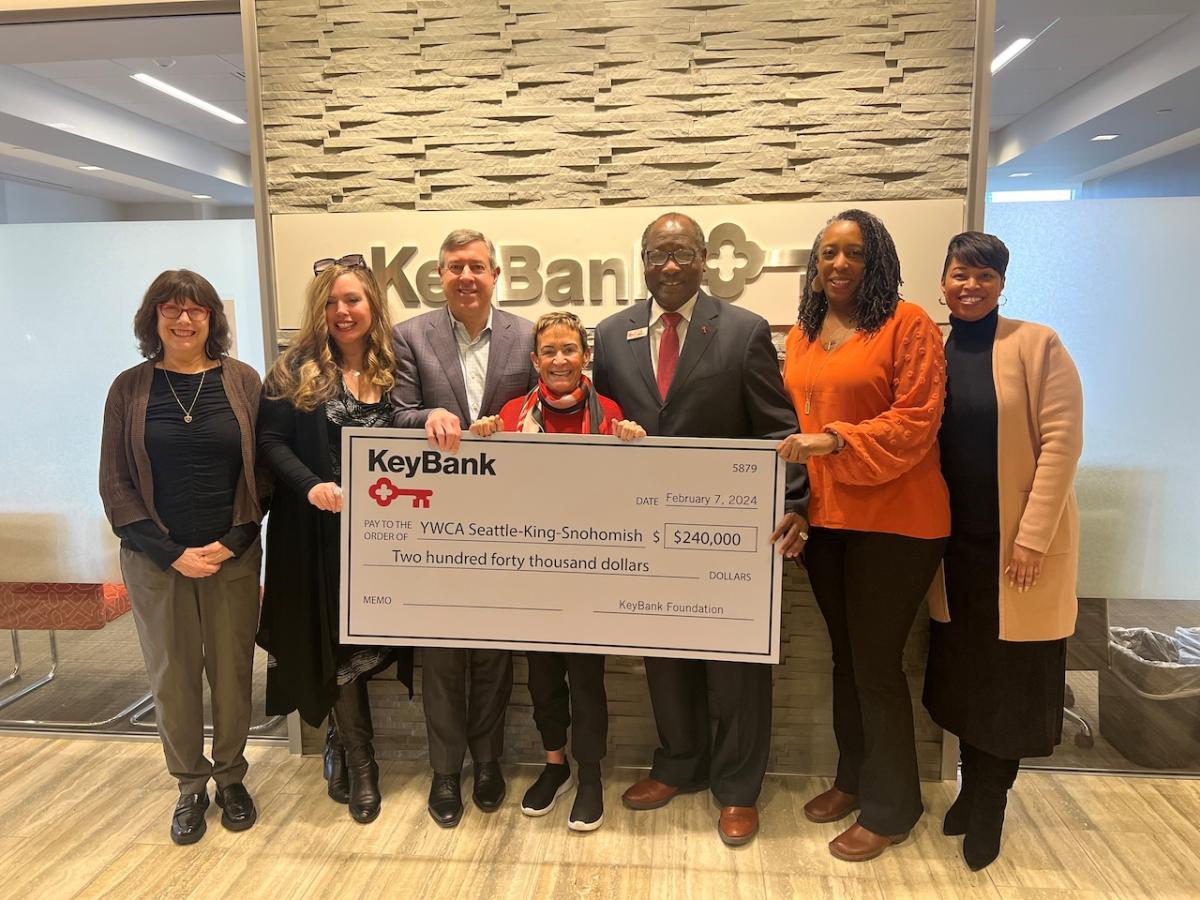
[867, 374]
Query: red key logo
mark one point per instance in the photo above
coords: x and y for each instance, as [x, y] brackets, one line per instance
[383, 491]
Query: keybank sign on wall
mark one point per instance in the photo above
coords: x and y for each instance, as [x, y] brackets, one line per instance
[589, 261]
[527, 278]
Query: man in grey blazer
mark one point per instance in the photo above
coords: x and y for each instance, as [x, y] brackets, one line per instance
[453, 366]
[685, 364]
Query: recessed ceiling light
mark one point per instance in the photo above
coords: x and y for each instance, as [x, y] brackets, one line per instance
[1106, 137]
[172, 91]
[1019, 174]
[92, 168]
[164, 62]
[201, 197]
[1009, 53]
[1029, 196]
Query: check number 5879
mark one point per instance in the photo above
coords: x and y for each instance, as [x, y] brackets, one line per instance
[735, 538]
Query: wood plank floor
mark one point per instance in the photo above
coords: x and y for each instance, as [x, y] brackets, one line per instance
[90, 819]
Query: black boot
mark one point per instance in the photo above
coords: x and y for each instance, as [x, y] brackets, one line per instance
[995, 777]
[335, 765]
[352, 716]
[959, 813]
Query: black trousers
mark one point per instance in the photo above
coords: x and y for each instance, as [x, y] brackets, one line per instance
[458, 718]
[869, 586]
[568, 687]
[687, 694]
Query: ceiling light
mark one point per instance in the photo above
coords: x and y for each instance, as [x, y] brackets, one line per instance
[62, 126]
[1106, 137]
[201, 197]
[1009, 53]
[92, 168]
[1019, 174]
[175, 92]
[1029, 196]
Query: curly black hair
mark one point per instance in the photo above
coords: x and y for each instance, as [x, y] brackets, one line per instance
[880, 289]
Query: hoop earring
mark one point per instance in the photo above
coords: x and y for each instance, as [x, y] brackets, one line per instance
[941, 301]
[1003, 300]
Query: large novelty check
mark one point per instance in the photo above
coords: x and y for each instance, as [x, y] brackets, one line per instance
[562, 542]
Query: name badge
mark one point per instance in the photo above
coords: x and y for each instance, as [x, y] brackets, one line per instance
[636, 333]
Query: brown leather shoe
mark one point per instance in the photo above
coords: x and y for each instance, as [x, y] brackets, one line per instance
[738, 825]
[649, 793]
[857, 844]
[830, 806]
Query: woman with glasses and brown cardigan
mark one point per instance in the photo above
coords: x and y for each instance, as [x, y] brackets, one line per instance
[178, 485]
[336, 373]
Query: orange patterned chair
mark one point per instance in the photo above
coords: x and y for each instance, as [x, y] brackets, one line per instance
[51, 607]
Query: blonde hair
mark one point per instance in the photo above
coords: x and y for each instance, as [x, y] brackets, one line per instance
[307, 373]
[560, 317]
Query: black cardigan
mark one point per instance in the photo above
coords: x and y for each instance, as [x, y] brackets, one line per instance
[299, 623]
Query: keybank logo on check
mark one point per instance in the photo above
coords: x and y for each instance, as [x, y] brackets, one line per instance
[431, 462]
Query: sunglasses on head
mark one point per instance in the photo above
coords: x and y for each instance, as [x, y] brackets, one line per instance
[350, 261]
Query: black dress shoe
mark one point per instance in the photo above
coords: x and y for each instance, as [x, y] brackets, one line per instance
[363, 775]
[445, 800]
[335, 766]
[239, 812]
[187, 824]
[489, 789]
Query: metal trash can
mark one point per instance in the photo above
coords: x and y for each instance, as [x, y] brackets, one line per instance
[1150, 699]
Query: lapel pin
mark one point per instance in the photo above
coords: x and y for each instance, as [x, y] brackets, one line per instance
[704, 329]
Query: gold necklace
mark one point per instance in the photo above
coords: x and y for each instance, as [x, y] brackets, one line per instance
[810, 384]
[187, 413]
[835, 342]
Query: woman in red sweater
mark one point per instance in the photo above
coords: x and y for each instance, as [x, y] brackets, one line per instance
[868, 376]
[565, 686]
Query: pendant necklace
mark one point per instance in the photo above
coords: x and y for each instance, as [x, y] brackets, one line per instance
[187, 412]
[810, 383]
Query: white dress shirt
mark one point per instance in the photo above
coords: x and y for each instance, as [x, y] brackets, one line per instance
[473, 358]
[657, 326]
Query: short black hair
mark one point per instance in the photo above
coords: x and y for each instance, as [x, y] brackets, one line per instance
[697, 231]
[974, 248]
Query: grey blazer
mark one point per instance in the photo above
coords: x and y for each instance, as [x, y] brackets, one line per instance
[727, 383]
[429, 374]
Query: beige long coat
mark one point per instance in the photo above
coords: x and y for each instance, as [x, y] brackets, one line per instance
[1039, 400]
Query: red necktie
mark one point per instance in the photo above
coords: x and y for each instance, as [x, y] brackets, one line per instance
[668, 352]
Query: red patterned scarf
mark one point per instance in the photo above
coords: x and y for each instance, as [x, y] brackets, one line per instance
[583, 397]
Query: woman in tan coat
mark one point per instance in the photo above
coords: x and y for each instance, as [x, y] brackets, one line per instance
[1004, 603]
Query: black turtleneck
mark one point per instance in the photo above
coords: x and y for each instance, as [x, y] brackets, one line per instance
[968, 437]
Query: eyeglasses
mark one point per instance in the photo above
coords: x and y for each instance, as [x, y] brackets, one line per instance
[174, 311]
[684, 256]
[457, 268]
[350, 261]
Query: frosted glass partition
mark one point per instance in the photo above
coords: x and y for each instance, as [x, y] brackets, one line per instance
[1114, 278]
[68, 295]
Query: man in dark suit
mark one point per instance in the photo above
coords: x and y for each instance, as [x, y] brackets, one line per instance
[684, 364]
[452, 367]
